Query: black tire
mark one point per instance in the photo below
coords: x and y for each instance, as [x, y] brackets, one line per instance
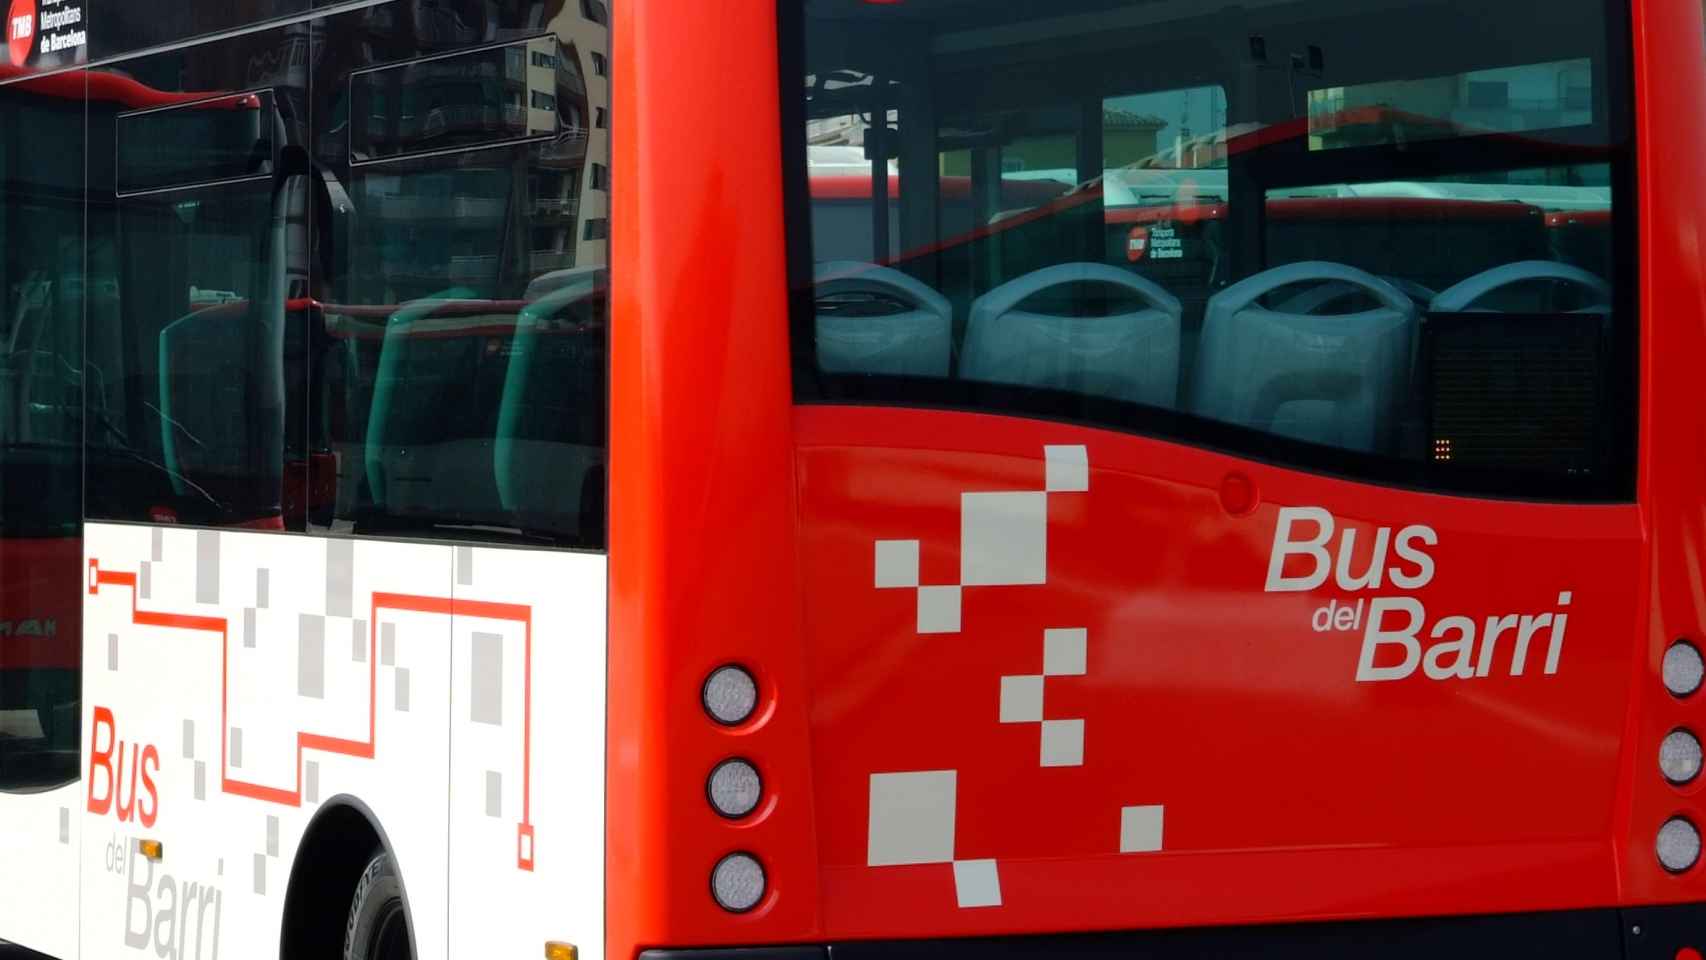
[378, 927]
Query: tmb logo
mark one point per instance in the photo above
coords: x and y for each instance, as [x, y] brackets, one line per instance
[107, 785]
[21, 31]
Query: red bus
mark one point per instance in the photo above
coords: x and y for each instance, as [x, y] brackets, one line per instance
[855, 479]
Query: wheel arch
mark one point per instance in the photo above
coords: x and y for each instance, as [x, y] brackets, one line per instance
[340, 839]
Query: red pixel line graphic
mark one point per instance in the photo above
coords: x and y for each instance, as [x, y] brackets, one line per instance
[480, 609]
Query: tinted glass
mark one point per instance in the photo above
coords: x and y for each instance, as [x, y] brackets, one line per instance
[42, 295]
[197, 396]
[1391, 243]
[492, 96]
[121, 26]
[459, 364]
[204, 141]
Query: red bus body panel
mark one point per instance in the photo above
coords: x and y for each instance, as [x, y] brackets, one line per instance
[742, 530]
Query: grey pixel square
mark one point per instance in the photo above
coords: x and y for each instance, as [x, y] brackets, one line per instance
[977, 883]
[156, 544]
[388, 644]
[207, 566]
[235, 748]
[64, 824]
[1140, 829]
[1065, 652]
[249, 627]
[201, 780]
[340, 577]
[272, 836]
[1003, 538]
[1063, 743]
[938, 609]
[1067, 469]
[486, 680]
[912, 818]
[494, 793]
[263, 587]
[897, 563]
[189, 739]
[311, 782]
[464, 566]
[112, 651]
[1022, 699]
[145, 580]
[261, 874]
[311, 656]
[358, 641]
[402, 690]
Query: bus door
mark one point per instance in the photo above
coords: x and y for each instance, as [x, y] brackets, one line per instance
[1233, 532]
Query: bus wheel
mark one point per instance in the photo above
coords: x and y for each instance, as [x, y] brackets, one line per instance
[378, 926]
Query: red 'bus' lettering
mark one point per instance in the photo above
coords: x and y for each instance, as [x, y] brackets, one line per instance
[101, 760]
[148, 805]
[107, 783]
[125, 807]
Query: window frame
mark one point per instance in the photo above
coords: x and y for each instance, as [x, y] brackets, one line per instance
[1620, 359]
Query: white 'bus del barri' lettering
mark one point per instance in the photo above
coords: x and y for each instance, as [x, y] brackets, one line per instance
[1393, 627]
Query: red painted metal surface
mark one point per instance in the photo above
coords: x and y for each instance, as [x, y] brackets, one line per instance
[1291, 790]
[742, 530]
[1670, 123]
[703, 543]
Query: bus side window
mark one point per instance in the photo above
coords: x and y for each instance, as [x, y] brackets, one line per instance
[463, 372]
[44, 286]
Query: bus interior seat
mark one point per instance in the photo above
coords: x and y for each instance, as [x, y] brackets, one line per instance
[549, 450]
[1320, 297]
[1131, 356]
[878, 320]
[1335, 380]
[1528, 286]
[428, 429]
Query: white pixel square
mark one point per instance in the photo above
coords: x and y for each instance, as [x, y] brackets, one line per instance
[1063, 743]
[1003, 538]
[1140, 829]
[1066, 469]
[938, 609]
[912, 818]
[1064, 652]
[1021, 699]
[897, 563]
[976, 883]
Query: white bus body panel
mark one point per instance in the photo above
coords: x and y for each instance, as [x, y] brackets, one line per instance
[454, 692]
[39, 835]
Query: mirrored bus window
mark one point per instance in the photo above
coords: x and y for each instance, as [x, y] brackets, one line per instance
[460, 359]
[120, 28]
[43, 290]
[198, 205]
[1393, 244]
